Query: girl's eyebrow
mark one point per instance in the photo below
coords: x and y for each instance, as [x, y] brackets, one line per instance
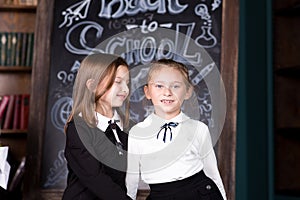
[158, 81]
[122, 78]
[166, 82]
[177, 82]
[119, 77]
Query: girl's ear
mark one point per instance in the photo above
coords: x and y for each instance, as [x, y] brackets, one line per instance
[146, 91]
[189, 93]
[91, 85]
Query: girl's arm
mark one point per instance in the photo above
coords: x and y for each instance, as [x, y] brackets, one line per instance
[132, 176]
[210, 165]
[210, 168]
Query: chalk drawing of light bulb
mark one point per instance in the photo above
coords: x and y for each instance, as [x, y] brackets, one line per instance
[202, 11]
[206, 39]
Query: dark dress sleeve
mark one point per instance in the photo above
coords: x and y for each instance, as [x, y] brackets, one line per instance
[87, 169]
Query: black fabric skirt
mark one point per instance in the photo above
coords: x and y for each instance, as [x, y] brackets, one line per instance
[198, 186]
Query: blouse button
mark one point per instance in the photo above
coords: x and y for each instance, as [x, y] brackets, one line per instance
[208, 187]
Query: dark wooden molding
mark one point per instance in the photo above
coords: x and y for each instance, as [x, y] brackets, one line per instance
[38, 101]
[226, 147]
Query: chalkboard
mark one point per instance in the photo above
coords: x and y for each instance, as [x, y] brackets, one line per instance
[131, 29]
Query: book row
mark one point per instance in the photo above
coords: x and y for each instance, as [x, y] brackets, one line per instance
[16, 49]
[14, 111]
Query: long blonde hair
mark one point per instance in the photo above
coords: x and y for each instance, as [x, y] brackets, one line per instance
[95, 67]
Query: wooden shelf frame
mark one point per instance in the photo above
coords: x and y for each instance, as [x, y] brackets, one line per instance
[12, 7]
[4, 69]
[13, 132]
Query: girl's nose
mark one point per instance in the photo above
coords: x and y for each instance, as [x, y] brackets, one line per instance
[167, 91]
[125, 88]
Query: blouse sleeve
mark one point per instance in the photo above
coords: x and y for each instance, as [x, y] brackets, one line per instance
[210, 165]
[132, 175]
[89, 170]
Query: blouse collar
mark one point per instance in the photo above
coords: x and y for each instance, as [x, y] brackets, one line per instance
[178, 118]
[103, 120]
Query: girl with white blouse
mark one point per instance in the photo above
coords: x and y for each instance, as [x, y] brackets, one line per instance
[170, 151]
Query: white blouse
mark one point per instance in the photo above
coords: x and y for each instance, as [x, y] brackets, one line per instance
[186, 151]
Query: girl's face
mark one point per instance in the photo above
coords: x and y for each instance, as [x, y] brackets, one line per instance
[115, 96]
[167, 90]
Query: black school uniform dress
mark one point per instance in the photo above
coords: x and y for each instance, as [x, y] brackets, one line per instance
[97, 168]
[198, 186]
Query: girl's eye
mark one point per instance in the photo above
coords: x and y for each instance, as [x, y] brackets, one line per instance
[118, 81]
[176, 86]
[159, 86]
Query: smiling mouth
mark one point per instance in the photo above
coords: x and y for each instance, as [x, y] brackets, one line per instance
[164, 101]
[122, 96]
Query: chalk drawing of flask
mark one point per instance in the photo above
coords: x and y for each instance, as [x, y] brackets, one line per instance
[206, 39]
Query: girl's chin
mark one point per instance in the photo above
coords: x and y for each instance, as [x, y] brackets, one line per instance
[117, 104]
[167, 111]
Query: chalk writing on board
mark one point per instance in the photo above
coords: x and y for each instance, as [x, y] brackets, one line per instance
[60, 112]
[75, 12]
[81, 25]
[139, 95]
[58, 171]
[61, 109]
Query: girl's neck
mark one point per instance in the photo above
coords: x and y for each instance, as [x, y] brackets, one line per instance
[166, 116]
[106, 111]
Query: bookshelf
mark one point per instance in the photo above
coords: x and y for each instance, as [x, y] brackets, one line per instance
[17, 23]
[286, 67]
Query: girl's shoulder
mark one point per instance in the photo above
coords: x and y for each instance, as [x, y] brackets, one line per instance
[78, 121]
[78, 125]
[195, 123]
[140, 126]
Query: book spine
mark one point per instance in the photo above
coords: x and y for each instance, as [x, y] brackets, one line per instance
[3, 105]
[8, 49]
[24, 111]
[17, 112]
[13, 48]
[3, 48]
[19, 48]
[24, 48]
[9, 113]
[29, 49]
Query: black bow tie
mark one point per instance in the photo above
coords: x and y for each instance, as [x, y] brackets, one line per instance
[113, 125]
[165, 127]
